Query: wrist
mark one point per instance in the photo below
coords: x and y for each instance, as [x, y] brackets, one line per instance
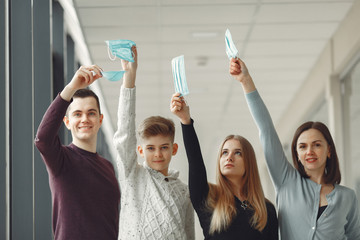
[129, 80]
[185, 121]
[248, 85]
[68, 92]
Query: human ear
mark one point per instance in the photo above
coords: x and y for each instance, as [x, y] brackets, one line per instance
[101, 118]
[140, 150]
[66, 122]
[175, 149]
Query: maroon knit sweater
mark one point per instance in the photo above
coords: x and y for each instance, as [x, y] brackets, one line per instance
[84, 189]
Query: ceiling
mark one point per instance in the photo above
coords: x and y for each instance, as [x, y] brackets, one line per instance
[279, 40]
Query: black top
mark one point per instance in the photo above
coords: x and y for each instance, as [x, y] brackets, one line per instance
[321, 210]
[240, 227]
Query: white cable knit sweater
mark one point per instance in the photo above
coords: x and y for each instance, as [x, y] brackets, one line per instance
[153, 206]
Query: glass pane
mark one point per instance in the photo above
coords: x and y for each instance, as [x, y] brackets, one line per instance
[354, 117]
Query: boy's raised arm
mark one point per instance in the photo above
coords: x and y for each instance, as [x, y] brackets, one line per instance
[125, 136]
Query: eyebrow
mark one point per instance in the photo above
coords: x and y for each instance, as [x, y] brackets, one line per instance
[90, 110]
[164, 144]
[234, 149]
[311, 142]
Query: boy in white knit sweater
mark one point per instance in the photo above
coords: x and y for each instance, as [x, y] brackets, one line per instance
[155, 204]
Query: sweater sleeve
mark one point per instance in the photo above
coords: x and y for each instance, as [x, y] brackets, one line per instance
[198, 184]
[125, 136]
[352, 227]
[47, 140]
[279, 167]
[189, 225]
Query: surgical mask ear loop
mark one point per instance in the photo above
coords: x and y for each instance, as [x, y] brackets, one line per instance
[108, 50]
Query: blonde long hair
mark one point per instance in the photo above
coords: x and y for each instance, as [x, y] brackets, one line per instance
[221, 197]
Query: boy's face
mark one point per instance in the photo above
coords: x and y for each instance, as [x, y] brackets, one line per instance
[157, 151]
[83, 119]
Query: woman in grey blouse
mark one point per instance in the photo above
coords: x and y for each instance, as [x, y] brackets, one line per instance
[311, 203]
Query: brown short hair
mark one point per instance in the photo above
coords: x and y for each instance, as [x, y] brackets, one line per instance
[157, 125]
[332, 168]
[84, 93]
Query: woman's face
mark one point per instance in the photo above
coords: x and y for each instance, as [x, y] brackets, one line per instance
[231, 159]
[313, 151]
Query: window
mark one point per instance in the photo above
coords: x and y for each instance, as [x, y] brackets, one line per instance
[351, 100]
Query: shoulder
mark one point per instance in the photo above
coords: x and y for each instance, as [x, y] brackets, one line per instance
[105, 161]
[270, 207]
[344, 190]
[344, 193]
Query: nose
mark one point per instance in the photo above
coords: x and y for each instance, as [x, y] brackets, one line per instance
[84, 118]
[158, 153]
[230, 157]
[309, 151]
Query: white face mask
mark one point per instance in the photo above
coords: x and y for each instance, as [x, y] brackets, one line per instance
[231, 50]
[178, 70]
[121, 48]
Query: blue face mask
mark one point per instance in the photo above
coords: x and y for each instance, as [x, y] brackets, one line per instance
[178, 70]
[113, 75]
[121, 49]
[231, 50]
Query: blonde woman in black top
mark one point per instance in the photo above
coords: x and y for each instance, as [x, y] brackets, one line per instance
[234, 207]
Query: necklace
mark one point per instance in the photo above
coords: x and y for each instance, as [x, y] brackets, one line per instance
[244, 204]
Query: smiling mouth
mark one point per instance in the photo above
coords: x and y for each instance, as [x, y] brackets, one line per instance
[311, 160]
[85, 128]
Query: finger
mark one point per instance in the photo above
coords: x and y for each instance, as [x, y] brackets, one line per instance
[234, 69]
[87, 74]
[134, 50]
[234, 64]
[178, 104]
[175, 97]
[174, 109]
[97, 70]
[176, 94]
[82, 74]
[175, 103]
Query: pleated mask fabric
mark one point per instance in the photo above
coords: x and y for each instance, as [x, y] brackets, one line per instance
[178, 70]
[120, 49]
[113, 75]
[231, 49]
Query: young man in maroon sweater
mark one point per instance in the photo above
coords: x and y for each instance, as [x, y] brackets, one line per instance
[85, 191]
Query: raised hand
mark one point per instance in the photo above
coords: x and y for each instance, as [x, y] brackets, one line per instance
[83, 77]
[130, 68]
[239, 71]
[179, 108]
